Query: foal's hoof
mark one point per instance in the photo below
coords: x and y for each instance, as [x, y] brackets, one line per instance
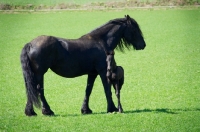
[47, 112]
[114, 109]
[120, 110]
[88, 111]
[30, 112]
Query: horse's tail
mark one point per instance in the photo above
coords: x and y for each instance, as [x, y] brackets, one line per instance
[29, 78]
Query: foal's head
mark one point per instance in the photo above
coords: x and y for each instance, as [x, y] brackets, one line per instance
[110, 61]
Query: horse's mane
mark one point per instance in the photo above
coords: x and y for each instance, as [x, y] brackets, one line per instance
[123, 43]
[103, 28]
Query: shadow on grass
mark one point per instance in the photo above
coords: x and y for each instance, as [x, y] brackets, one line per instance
[76, 115]
[161, 110]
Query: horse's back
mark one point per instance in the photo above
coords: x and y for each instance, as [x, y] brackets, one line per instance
[41, 52]
[66, 58]
[44, 42]
[43, 47]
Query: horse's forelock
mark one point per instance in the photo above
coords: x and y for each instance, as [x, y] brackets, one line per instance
[136, 25]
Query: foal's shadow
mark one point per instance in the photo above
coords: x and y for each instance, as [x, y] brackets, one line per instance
[158, 110]
[161, 110]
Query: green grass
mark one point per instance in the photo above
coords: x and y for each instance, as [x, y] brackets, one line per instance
[161, 90]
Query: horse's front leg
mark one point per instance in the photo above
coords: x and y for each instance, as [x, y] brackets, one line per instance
[107, 89]
[117, 92]
[90, 82]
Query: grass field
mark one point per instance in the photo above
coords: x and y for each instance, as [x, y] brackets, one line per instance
[162, 82]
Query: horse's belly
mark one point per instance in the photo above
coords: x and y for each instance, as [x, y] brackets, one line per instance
[71, 71]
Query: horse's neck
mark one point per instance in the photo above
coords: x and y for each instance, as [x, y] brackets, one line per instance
[113, 37]
[100, 31]
[110, 34]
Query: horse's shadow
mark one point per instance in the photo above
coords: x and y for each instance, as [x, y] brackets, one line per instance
[158, 110]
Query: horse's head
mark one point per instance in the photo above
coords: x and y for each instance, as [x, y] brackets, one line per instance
[133, 35]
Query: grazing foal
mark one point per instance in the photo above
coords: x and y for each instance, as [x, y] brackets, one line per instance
[115, 76]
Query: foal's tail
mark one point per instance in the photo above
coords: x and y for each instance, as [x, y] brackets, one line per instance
[29, 78]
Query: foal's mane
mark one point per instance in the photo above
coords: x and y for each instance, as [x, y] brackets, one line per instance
[123, 43]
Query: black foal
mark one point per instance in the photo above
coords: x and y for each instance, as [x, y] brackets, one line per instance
[115, 76]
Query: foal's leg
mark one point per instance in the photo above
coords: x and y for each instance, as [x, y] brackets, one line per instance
[117, 92]
[107, 89]
[40, 87]
[120, 83]
[90, 82]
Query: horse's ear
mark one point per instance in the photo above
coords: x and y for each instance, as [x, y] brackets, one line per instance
[127, 17]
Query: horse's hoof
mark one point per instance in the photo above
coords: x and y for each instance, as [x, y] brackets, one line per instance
[88, 111]
[47, 112]
[30, 113]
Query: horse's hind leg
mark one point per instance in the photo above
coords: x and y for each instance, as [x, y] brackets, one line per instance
[40, 87]
[29, 110]
[90, 82]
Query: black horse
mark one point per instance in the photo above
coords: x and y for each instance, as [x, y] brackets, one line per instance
[73, 58]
